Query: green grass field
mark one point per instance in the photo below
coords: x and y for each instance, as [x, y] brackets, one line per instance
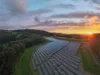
[23, 66]
[72, 39]
[89, 63]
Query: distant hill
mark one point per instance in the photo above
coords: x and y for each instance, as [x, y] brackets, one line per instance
[31, 31]
[12, 35]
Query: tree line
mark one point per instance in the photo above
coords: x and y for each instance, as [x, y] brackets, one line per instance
[13, 48]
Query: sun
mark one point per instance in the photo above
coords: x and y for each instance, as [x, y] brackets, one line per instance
[90, 33]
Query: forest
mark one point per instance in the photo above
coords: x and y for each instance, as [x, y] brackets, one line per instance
[13, 44]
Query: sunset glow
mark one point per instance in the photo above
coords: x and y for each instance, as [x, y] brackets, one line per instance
[90, 33]
[71, 29]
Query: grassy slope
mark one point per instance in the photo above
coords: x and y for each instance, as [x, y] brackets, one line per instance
[23, 65]
[89, 64]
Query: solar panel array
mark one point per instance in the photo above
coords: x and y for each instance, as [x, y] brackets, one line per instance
[57, 58]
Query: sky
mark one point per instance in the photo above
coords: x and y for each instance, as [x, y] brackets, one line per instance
[60, 16]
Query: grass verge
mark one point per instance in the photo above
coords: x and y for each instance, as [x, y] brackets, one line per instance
[88, 62]
[23, 66]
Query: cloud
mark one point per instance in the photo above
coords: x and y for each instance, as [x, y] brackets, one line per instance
[41, 11]
[4, 17]
[16, 6]
[26, 20]
[52, 27]
[92, 20]
[74, 15]
[96, 1]
[66, 6]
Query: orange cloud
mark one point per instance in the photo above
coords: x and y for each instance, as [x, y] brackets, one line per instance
[92, 20]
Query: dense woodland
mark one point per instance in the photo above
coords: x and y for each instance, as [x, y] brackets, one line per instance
[13, 44]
